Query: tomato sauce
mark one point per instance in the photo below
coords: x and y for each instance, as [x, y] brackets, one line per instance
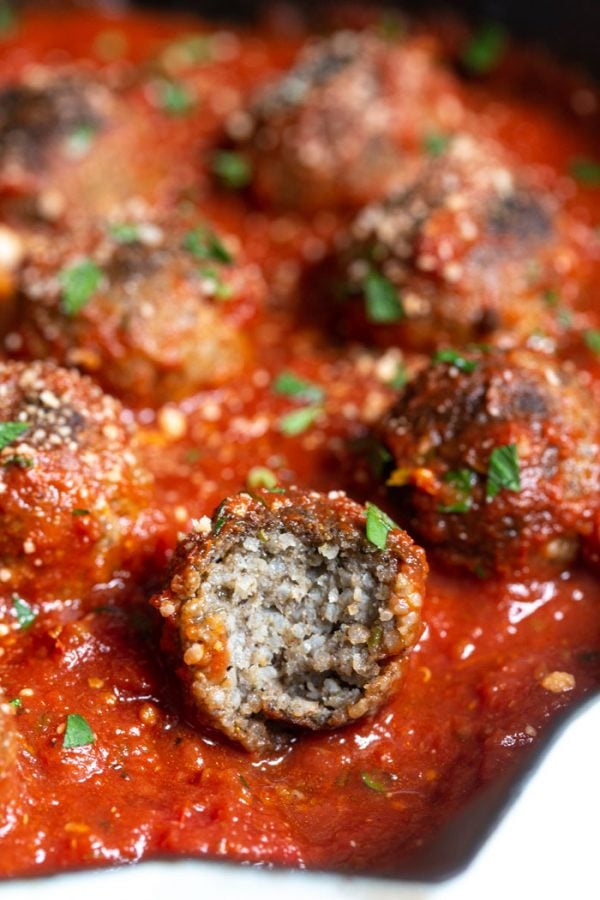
[481, 687]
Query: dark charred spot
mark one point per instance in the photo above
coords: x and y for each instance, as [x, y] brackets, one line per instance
[520, 216]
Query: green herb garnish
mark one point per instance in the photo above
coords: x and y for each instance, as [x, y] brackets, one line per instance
[175, 98]
[435, 143]
[261, 477]
[220, 289]
[463, 481]
[400, 378]
[77, 733]
[79, 283]
[503, 471]
[17, 703]
[80, 512]
[232, 169]
[124, 232]
[80, 140]
[586, 171]
[19, 461]
[204, 244]
[299, 420]
[382, 301]
[378, 526]
[26, 616]
[486, 48]
[10, 431]
[591, 338]
[290, 385]
[375, 781]
[455, 359]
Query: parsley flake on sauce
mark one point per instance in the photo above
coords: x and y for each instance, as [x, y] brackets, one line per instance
[592, 340]
[485, 49]
[174, 97]
[26, 616]
[382, 301]
[77, 733]
[376, 781]
[460, 362]
[435, 143]
[204, 244]
[378, 526]
[261, 477]
[79, 283]
[291, 385]
[124, 232]
[462, 481]
[233, 170]
[10, 431]
[17, 703]
[503, 471]
[299, 420]
[586, 171]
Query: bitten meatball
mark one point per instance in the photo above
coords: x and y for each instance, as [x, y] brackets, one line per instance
[496, 460]
[343, 125]
[153, 313]
[71, 488]
[285, 614]
[471, 250]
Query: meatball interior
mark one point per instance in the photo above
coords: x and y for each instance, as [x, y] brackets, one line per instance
[71, 486]
[165, 313]
[287, 614]
[471, 250]
[343, 125]
[496, 458]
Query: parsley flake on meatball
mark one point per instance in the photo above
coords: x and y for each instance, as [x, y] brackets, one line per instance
[294, 609]
[496, 460]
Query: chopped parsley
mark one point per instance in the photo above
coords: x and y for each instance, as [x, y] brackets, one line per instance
[455, 359]
[485, 50]
[400, 377]
[299, 420]
[26, 616]
[592, 340]
[462, 481]
[174, 97]
[80, 140]
[376, 781]
[79, 283]
[124, 232]
[77, 733]
[435, 143]
[503, 471]
[245, 784]
[215, 283]
[19, 461]
[204, 244]
[233, 170]
[17, 703]
[10, 431]
[378, 526]
[586, 171]
[290, 385]
[261, 477]
[218, 518]
[382, 301]
[80, 512]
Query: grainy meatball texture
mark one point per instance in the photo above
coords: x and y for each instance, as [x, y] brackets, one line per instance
[471, 250]
[347, 121]
[496, 460]
[285, 614]
[154, 312]
[71, 486]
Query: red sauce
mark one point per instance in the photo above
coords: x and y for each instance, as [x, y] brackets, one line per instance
[477, 692]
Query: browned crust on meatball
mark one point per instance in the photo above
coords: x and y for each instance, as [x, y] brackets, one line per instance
[296, 659]
[447, 421]
[71, 486]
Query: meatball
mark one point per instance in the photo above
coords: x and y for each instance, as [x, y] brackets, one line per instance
[472, 250]
[285, 614]
[71, 488]
[343, 125]
[496, 460]
[153, 313]
[45, 117]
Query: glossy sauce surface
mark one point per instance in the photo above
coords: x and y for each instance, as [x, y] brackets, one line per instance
[479, 690]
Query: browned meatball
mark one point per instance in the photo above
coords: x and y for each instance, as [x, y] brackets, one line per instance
[286, 614]
[71, 488]
[346, 122]
[471, 250]
[154, 313]
[496, 460]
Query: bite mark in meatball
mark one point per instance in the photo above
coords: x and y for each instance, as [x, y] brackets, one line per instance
[286, 615]
[496, 460]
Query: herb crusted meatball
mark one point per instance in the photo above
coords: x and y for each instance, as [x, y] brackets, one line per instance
[71, 487]
[339, 128]
[472, 249]
[152, 312]
[286, 614]
[497, 460]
